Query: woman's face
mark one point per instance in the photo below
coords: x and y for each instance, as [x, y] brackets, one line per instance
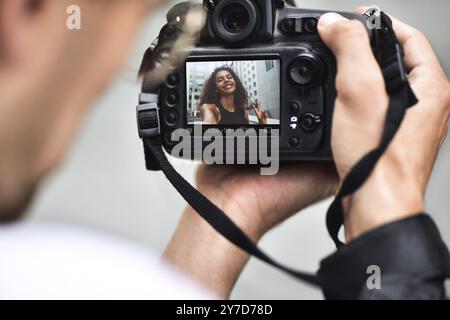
[225, 83]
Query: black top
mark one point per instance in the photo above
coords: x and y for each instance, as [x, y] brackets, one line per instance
[234, 118]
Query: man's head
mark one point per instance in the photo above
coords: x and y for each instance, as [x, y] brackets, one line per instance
[49, 74]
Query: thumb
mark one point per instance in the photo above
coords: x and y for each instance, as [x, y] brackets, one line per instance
[361, 102]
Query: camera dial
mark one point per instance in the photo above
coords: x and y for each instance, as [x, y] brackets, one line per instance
[306, 70]
[234, 20]
[309, 122]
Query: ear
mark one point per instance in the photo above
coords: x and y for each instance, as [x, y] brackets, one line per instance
[15, 16]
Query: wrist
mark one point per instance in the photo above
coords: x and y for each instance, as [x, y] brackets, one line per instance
[385, 197]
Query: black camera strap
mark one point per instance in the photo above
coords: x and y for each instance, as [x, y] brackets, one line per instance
[401, 97]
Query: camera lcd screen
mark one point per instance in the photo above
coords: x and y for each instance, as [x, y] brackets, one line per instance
[233, 93]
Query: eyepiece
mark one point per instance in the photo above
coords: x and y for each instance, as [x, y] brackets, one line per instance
[234, 20]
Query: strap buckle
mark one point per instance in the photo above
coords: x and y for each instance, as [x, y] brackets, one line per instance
[147, 115]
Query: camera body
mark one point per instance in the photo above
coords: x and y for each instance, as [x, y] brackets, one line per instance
[282, 64]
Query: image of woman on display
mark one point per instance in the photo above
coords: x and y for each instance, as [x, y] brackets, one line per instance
[224, 100]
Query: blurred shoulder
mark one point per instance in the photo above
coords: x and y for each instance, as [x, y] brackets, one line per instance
[57, 261]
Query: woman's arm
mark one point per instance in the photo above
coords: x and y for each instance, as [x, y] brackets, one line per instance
[210, 114]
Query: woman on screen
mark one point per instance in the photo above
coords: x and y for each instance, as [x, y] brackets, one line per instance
[224, 99]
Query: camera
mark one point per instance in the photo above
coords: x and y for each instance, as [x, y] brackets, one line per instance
[258, 66]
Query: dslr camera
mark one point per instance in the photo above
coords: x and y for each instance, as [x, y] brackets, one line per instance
[258, 66]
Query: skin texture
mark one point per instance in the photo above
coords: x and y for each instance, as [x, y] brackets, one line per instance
[394, 190]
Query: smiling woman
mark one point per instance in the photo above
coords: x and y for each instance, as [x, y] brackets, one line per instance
[232, 93]
[224, 98]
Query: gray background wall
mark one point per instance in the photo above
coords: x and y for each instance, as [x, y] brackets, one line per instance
[103, 185]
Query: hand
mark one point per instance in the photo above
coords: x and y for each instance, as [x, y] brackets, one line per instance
[258, 203]
[255, 203]
[260, 113]
[397, 186]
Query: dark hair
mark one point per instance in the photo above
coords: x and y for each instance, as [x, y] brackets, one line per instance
[210, 95]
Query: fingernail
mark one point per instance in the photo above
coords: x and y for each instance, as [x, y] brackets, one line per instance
[329, 18]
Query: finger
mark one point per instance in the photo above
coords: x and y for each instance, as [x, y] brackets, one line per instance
[358, 71]
[417, 48]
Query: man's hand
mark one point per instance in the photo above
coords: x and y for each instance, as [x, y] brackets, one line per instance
[255, 203]
[397, 186]
[258, 203]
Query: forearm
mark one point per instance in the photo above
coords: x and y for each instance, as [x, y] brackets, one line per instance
[201, 252]
[388, 195]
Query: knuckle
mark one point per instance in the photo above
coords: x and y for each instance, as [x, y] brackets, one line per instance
[349, 30]
[418, 34]
[420, 37]
[361, 9]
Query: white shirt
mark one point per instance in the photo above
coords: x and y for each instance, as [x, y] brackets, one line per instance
[54, 261]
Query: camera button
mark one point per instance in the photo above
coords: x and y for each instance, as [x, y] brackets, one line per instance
[294, 141]
[172, 98]
[294, 107]
[173, 79]
[310, 25]
[171, 118]
[309, 122]
[287, 26]
[306, 70]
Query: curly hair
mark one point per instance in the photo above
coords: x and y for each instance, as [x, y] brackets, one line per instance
[210, 95]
